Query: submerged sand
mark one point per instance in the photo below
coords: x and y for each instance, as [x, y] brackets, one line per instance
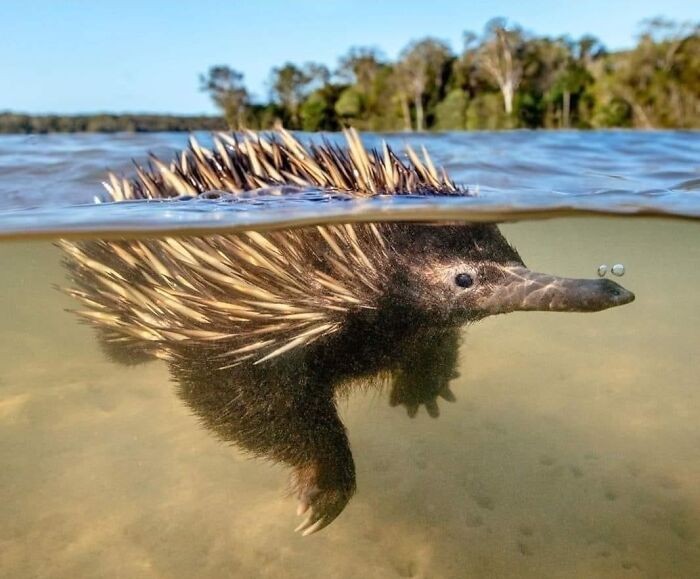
[572, 450]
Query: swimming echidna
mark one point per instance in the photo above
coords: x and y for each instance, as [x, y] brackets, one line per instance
[260, 330]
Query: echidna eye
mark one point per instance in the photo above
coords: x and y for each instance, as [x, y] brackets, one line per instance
[464, 280]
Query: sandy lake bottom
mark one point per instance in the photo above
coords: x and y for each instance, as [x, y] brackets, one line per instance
[572, 449]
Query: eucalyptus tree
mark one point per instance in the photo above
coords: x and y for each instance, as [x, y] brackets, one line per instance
[367, 96]
[225, 87]
[360, 67]
[400, 82]
[291, 84]
[499, 59]
[287, 85]
[422, 69]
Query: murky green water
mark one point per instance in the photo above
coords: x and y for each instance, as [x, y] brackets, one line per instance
[571, 449]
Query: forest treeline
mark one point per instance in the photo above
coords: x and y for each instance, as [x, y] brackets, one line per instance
[503, 78]
[12, 123]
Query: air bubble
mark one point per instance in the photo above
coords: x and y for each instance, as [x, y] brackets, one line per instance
[602, 270]
[618, 269]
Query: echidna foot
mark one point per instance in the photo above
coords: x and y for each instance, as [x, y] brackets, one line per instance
[322, 508]
[414, 395]
[321, 505]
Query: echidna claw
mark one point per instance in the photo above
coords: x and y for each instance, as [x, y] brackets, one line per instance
[432, 408]
[321, 507]
[311, 524]
[447, 394]
[302, 507]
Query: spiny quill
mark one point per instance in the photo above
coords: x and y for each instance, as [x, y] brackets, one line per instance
[260, 294]
[238, 164]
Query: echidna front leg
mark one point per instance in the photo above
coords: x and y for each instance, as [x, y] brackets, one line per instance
[428, 363]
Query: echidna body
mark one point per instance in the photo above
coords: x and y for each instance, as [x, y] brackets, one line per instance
[261, 329]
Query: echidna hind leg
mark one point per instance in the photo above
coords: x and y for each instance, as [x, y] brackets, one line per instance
[324, 481]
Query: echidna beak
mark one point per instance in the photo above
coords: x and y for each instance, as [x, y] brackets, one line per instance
[521, 289]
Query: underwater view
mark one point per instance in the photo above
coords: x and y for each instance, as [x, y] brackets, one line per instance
[437, 355]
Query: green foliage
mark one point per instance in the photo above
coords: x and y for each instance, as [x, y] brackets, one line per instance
[530, 111]
[658, 80]
[451, 113]
[318, 111]
[290, 86]
[314, 113]
[349, 104]
[615, 112]
[485, 112]
[504, 78]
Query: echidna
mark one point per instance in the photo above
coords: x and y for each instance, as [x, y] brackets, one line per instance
[260, 330]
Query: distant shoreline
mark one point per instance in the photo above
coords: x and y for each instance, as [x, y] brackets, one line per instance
[12, 123]
[131, 123]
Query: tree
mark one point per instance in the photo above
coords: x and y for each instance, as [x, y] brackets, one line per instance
[570, 84]
[360, 67]
[226, 89]
[421, 67]
[287, 89]
[318, 111]
[658, 78]
[290, 85]
[669, 34]
[554, 83]
[365, 72]
[498, 58]
[588, 49]
[349, 104]
[400, 89]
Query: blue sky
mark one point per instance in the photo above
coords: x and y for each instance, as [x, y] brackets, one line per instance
[70, 56]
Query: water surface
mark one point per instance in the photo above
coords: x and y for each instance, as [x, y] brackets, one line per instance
[570, 451]
[516, 174]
